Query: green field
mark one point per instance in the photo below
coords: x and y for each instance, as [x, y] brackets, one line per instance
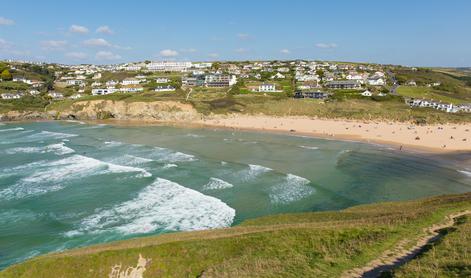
[318, 244]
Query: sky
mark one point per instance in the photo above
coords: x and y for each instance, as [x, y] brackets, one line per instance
[418, 33]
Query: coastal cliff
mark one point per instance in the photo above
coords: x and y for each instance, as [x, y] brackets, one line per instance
[108, 109]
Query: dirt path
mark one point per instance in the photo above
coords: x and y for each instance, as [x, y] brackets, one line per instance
[401, 254]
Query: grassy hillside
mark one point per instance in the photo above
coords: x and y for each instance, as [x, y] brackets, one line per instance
[323, 244]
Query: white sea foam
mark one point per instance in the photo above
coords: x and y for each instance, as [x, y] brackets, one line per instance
[53, 176]
[59, 149]
[169, 165]
[162, 205]
[166, 155]
[194, 135]
[466, 173]
[12, 129]
[113, 144]
[50, 135]
[132, 160]
[215, 183]
[253, 171]
[309, 147]
[294, 188]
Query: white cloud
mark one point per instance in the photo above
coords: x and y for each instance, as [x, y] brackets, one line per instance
[326, 45]
[105, 30]
[213, 55]
[285, 51]
[97, 42]
[53, 45]
[106, 55]
[76, 55]
[78, 29]
[6, 21]
[244, 36]
[168, 53]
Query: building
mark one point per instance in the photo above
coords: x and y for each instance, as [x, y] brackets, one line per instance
[34, 92]
[219, 80]
[367, 93]
[131, 89]
[130, 81]
[169, 66]
[10, 96]
[101, 92]
[167, 88]
[311, 94]
[75, 82]
[269, 88]
[343, 84]
[376, 81]
[162, 80]
[191, 81]
[56, 95]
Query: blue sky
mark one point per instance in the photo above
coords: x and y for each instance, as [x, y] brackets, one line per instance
[422, 33]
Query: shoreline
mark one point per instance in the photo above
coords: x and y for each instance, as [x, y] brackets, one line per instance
[436, 138]
[397, 135]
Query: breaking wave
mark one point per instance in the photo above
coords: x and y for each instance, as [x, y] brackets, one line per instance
[466, 173]
[59, 149]
[253, 171]
[215, 183]
[163, 205]
[309, 147]
[52, 176]
[12, 129]
[50, 135]
[293, 189]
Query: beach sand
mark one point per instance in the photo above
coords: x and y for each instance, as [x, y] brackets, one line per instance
[405, 136]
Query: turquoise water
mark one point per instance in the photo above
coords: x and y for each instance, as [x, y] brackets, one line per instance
[69, 184]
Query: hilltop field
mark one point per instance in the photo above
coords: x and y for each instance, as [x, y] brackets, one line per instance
[347, 243]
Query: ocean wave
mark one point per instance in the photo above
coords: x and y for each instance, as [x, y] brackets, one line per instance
[132, 160]
[309, 147]
[169, 165]
[12, 129]
[215, 183]
[50, 135]
[464, 172]
[170, 156]
[113, 144]
[59, 149]
[164, 205]
[52, 176]
[293, 189]
[253, 171]
[194, 135]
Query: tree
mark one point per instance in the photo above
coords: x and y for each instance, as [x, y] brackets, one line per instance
[6, 75]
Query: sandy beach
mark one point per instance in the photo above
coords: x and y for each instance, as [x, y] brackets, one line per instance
[405, 136]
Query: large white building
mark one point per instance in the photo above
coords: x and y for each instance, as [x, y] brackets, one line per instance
[169, 66]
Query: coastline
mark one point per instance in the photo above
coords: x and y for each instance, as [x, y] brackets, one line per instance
[436, 138]
[397, 135]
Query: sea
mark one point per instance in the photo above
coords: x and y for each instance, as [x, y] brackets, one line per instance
[67, 184]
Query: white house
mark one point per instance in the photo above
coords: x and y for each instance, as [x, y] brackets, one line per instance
[100, 92]
[22, 79]
[376, 81]
[130, 81]
[162, 80]
[278, 76]
[367, 93]
[97, 76]
[74, 82]
[131, 89]
[111, 83]
[11, 96]
[96, 84]
[167, 88]
[267, 88]
[34, 92]
[56, 95]
[76, 96]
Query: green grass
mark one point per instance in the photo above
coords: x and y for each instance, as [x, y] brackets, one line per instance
[290, 245]
[450, 257]
[430, 93]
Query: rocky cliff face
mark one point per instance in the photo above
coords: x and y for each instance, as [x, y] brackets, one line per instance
[108, 109]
